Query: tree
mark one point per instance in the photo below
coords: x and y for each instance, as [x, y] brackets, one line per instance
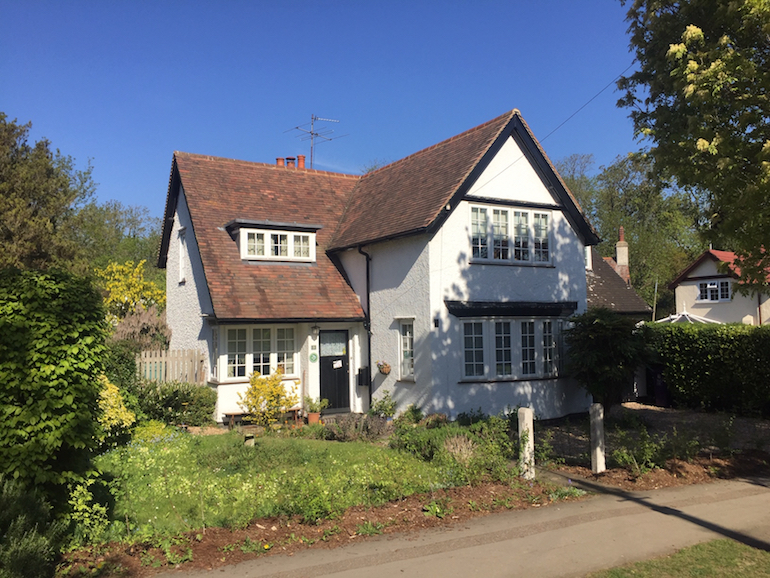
[51, 348]
[702, 95]
[127, 289]
[660, 222]
[605, 350]
[40, 191]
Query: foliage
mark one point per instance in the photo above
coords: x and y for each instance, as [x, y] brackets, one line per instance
[700, 94]
[412, 415]
[715, 367]
[177, 402]
[127, 289]
[29, 537]
[604, 352]
[353, 427]
[638, 451]
[40, 191]
[383, 406]
[471, 417]
[267, 398]
[316, 405]
[115, 418]
[660, 222]
[51, 347]
[89, 517]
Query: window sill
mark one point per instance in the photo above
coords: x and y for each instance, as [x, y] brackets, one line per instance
[406, 380]
[506, 263]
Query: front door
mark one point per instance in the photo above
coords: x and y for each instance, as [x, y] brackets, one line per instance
[335, 373]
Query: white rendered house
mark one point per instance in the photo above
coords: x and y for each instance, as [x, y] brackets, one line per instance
[457, 267]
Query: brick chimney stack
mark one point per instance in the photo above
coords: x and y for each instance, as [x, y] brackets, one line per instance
[300, 161]
[279, 162]
[621, 258]
[290, 162]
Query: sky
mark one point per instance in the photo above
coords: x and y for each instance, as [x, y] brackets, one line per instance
[122, 84]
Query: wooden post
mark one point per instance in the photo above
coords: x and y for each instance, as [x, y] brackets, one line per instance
[596, 413]
[526, 442]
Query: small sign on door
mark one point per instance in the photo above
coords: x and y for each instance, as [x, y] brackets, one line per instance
[337, 364]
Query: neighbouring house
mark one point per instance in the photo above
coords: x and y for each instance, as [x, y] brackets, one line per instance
[708, 289]
[609, 283]
[445, 278]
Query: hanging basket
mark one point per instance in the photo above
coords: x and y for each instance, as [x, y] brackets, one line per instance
[384, 368]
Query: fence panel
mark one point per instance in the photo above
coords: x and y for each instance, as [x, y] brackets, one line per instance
[181, 365]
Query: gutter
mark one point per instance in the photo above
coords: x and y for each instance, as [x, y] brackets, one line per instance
[368, 319]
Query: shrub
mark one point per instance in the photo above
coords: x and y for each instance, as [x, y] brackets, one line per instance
[353, 427]
[51, 346]
[638, 451]
[115, 418]
[605, 351]
[266, 399]
[176, 402]
[29, 538]
[471, 417]
[384, 406]
[316, 405]
[412, 415]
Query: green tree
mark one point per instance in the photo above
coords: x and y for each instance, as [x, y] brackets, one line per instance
[660, 222]
[40, 191]
[51, 348]
[701, 94]
[605, 350]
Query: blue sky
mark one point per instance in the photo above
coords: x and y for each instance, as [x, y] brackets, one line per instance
[127, 83]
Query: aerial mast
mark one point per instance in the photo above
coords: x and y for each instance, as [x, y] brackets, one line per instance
[312, 134]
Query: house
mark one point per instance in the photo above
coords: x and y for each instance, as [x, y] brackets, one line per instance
[445, 278]
[609, 283]
[708, 289]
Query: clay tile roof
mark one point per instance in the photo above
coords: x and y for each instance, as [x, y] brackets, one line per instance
[407, 196]
[607, 289]
[220, 190]
[727, 257]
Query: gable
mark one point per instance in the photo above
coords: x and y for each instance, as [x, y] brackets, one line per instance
[509, 176]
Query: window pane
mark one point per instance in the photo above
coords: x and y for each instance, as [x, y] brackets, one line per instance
[302, 246]
[407, 349]
[255, 244]
[279, 245]
[261, 351]
[500, 234]
[520, 236]
[284, 345]
[474, 349]
[724, 290]
[703, 293]
[503, 364]
[479, 232]
[236, 352]
[528, 347]
[549, 348]
[541, 237]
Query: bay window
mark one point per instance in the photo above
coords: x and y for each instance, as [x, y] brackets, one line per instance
[259, 350]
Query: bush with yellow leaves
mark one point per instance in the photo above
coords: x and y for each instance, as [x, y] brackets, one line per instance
[267, 398]
[115, 418]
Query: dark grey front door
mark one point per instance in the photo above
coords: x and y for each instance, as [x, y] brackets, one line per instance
[335, 372]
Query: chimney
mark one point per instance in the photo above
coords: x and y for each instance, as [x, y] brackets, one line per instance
[621, 257]
[290, 162]
[279, 162]
[300, 161]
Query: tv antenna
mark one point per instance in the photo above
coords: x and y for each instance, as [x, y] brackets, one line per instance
[312, 134]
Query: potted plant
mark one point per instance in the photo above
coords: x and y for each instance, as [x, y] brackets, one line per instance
[383, 367]
[314, 407]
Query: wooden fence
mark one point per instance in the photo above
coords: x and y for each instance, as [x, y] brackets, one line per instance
[183, 365]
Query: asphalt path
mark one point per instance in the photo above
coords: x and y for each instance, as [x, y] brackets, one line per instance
[610, 528]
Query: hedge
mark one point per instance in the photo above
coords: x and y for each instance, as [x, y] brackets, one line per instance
[715, 367]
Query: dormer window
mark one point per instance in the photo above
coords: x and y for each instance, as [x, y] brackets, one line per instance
[268, 241]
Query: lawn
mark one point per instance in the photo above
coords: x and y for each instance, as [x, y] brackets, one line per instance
[720, 558]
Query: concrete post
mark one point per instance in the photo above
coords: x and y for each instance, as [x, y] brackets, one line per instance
[526, 443]
[597, 438]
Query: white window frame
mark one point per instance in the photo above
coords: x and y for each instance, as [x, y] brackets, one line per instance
[498, 345]
[278, 353]
[406, 349]
[712, 291]
[270, 251]
[506, 241]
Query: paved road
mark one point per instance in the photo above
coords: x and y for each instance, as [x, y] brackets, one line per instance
[570, 539]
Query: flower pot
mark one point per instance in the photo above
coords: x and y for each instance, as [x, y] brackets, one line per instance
[313, 417]
[384, 369]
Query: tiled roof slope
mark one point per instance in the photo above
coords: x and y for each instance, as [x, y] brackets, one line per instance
[408, 195]
[219, 190]
[607, 289]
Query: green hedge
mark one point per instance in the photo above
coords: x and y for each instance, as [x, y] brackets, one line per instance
[176, 402]
[715, 367]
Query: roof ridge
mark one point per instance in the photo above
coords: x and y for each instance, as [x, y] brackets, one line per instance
[464, 134]
[266, 165]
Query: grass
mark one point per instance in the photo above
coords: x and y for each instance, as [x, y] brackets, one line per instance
[176, 482]
[720, 558]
